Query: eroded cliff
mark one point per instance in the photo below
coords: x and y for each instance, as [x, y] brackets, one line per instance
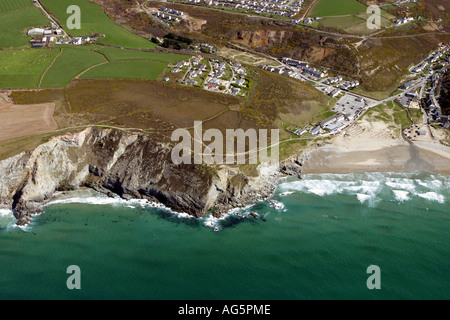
[130, 165]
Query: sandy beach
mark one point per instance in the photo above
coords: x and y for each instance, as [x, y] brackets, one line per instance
[372, 147]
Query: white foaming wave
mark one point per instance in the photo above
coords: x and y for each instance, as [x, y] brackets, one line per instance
[99, 200]
[432, 196]
[363, 197]
[116, 201]
[215, 223]
[276, 204]
[5, 212]
[318, 187]
[367, 187]
[286, 193]
[212, 222]
[437, 184]
[88, 200]
[183, 215]
[23, 228]
[422, 183]
[7, 219]
[432, 185]
[401, 195]
[401, 184]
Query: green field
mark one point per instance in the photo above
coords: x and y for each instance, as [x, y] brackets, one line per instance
[10, 5]
[94, 20]
[355, 24]
[337, 8]
[56, 68]
[342, 22]
[23, 68]
[149, 70]
[15, 24]
[349, 16]
[32, 68]
[68, 65]
[114, 54]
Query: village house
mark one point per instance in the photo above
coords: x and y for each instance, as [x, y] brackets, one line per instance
[315, 72]
[403, 21]
[295, 63]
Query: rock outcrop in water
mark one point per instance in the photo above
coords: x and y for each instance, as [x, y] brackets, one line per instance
[130, 165]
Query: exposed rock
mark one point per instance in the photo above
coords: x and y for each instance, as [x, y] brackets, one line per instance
[114, 162]
[260, 38]
[192, 24]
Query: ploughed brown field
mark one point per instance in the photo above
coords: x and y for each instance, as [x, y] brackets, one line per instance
[25, 120]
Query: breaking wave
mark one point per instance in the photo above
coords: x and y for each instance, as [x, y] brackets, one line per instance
[368, 189]
[88, 197]
[5, 213]
[401, 195]
[104, 200]
[373, 187]
[432, 196]
[8, 221]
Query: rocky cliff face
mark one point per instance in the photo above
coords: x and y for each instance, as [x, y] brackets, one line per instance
[261, 38]
[131, 166]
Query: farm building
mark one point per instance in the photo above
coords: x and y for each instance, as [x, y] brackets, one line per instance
[36, 32]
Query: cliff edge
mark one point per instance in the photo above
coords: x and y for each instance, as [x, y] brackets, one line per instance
[130, 165]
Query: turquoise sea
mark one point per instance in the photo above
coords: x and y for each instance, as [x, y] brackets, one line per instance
[316, 243]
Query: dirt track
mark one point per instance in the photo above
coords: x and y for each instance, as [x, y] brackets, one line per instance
[25, 120]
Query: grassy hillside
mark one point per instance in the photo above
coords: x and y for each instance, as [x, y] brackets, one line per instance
[355, 24]
[57, 67]
[94, 20]
[14, 25]
[23, 68]
[10, 5]
[149, 70]
[68, 65]
[337, 8]
[114, 54]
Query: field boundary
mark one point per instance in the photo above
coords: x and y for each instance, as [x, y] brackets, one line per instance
[91, 67]
[49, 66]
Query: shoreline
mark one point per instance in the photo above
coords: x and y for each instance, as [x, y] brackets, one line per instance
[366, 152]
[377, 146]
[396, 158]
